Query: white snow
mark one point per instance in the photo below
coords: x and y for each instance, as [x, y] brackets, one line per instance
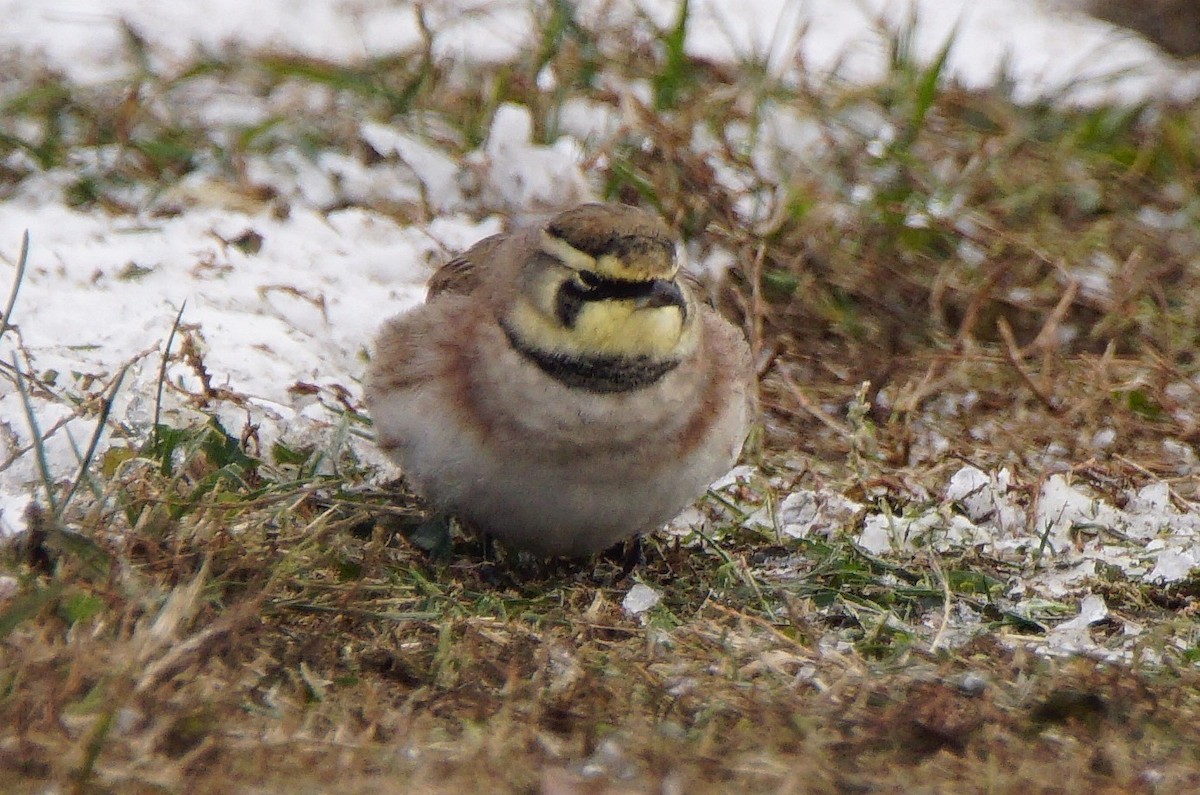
[1042, 50]
[523, 179]
[1075, 529]
[1172, 565]
[87, 42]
[640, 598]
[884, 532]
[807, 513]
[1073, 635]
[986, 498]
[100, 292]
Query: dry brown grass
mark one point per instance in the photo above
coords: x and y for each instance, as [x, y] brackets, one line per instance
[305, 656]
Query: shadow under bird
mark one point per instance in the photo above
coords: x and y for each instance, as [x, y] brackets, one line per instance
[562, 389]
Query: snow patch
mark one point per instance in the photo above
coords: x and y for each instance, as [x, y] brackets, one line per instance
[640, 599]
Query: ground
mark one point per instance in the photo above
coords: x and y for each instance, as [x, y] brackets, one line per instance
[959, 554]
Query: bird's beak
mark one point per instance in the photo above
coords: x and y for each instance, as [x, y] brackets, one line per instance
[662, 293]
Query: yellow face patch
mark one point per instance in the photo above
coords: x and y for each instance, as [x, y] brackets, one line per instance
[606, 328]
[620, 301]
[619, 328]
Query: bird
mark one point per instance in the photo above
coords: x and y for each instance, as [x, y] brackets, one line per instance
[562, 389]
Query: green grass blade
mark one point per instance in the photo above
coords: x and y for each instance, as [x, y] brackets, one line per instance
[101, 422]
[26, 606]
[674, 77]
[162, 376]
[35, 434]
[22, 259]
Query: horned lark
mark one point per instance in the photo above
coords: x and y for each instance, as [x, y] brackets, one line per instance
[562, 389]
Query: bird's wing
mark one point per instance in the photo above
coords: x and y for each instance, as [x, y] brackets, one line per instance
[463, 274]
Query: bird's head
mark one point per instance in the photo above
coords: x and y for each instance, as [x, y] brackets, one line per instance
[603, 281]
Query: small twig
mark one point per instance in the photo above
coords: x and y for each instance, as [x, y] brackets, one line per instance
[1045, 338]
[1182, 505]
[978, 300]
[947, 602]
[162, 375]
[1013, 354]
[354, 612]
[1139, 468]
[907, 402]
[1166, 366]
[181, 654]
[78, 412]
[797, 647]
[823, 416]
[55, 428]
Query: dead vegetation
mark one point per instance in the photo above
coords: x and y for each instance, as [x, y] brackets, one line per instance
[310, 648]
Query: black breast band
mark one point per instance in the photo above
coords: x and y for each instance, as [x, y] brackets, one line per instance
[600, 374]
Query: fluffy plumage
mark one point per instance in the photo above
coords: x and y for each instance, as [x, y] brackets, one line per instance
[562, 389]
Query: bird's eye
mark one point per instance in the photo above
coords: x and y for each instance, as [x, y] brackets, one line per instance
[590, 280]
